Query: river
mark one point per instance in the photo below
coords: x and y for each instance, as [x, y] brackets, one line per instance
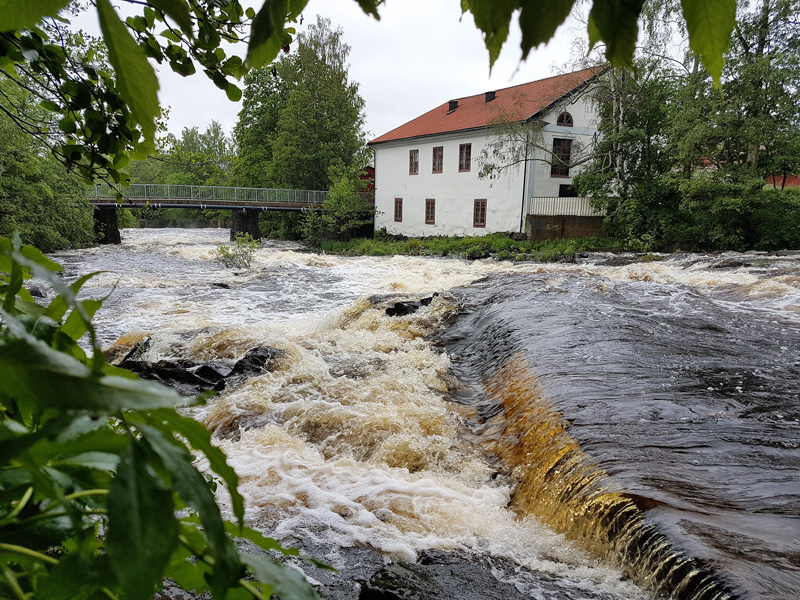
[607, 428]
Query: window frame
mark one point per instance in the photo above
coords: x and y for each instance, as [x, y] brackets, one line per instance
[465, 157]
[561, 170]
[398, 210]
[430, 211]
[479, 209]
[440, 161]
[413, 161]
[565, 120]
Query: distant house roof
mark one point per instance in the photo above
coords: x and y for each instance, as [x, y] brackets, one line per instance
[516, 103]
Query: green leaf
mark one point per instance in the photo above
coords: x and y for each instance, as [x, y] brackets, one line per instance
[267, 36]
[21, 15]
[170, 35]
[136, 80]
[60, 304]
[33, 372]
[233, 92]
[710, 23]
[492, 17]
[285, 581]
[192, 488]
[370, 7]
[539, 20]
[142, 530]
[75, 325]
[178, 10]
[615, 22]
[169, 422]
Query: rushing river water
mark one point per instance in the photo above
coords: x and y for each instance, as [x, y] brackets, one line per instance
[610, 430]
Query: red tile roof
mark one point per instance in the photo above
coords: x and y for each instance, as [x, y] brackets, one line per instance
[515, 103]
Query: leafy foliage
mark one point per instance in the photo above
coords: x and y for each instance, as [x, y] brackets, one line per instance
[106, 118]
[240, 255]
[681, 163]
[346, 208]
[99, 495]
[38, 197]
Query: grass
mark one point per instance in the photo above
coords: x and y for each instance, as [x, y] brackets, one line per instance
[499, 245]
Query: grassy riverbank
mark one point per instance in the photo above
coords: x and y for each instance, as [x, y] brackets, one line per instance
[499, 245]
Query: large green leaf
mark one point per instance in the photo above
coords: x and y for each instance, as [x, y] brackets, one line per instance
[710, 23]
[539, 20]
[136, 80]
[178, 10]
[493, 18]
[142, 530]
[615, 22]
[168, 421]
[286, 582]
[21, 15]
[267, 35]
[193, 489]
[34, 373]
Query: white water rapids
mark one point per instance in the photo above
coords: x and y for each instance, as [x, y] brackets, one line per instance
[351, 440]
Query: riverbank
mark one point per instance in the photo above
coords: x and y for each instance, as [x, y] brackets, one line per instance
[499, 245]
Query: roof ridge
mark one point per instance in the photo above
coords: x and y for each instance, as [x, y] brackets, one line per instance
[599, 68]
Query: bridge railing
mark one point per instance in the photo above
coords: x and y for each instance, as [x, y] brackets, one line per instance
[157, 191]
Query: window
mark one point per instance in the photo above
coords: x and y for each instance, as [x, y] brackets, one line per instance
[464, 157]
[479, 214]
[413, 162]
[562, 150]
[398, 210]
[430, 211]
[564, 119]
[438, 158]
[565, 190]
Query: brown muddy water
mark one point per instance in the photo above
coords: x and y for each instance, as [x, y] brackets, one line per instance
[618, 431]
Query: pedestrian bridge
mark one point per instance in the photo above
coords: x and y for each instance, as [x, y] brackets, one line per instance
[156, 195]
[244, 203]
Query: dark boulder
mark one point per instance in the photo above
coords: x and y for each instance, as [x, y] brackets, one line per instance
[400, 309]
[190, 378]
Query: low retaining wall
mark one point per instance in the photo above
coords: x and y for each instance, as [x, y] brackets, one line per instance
[553, 227]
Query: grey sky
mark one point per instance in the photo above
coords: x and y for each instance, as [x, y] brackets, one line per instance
[420, 54]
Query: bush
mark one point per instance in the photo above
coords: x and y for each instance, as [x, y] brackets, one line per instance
[100, 494]
[240, 254]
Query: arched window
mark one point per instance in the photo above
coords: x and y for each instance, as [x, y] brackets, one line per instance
[564, 119]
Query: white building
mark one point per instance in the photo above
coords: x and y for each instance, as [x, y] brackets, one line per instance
[426, 171]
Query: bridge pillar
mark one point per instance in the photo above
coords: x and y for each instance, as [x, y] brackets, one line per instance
[245, 221]
[106, 228]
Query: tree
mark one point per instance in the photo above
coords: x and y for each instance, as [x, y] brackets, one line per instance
[322, 122]
[347, 207]
[265, 97]
[38, 197]
[106, 118]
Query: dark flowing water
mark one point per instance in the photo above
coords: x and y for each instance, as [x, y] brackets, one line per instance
[686, 397]
[589, 423]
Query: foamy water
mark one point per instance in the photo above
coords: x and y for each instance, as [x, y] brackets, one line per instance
[353, 440]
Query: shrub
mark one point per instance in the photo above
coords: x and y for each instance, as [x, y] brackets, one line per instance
[100, 494]
[240, 254]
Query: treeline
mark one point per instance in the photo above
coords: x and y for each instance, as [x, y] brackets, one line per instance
[684, 164]
[39, 198]
[301, 126]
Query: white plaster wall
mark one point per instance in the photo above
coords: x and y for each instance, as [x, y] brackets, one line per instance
[454, 192]
[584, 117]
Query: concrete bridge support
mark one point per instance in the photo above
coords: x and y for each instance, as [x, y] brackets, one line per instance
[245, 221]
[106, 227]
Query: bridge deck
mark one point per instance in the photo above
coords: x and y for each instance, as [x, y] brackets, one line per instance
[200, 196]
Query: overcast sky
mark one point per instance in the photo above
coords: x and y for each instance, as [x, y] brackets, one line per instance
[420, 54]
